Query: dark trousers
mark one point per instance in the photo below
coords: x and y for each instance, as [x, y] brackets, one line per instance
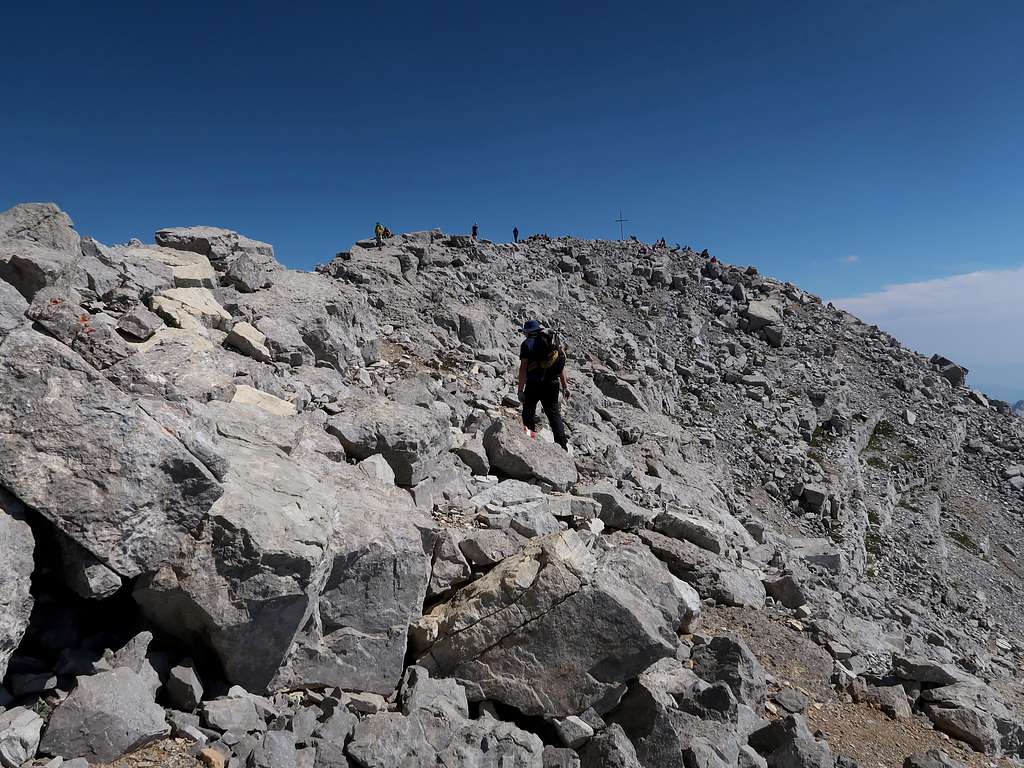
[547, 395]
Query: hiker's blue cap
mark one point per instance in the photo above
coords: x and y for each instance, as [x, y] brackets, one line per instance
[532, 326]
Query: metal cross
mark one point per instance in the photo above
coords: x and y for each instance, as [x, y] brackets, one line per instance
[621, 220]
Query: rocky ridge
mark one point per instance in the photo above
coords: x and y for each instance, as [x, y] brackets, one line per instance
[291, 517]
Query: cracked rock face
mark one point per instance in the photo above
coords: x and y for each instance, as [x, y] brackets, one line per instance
[85, 456]
[590, 619]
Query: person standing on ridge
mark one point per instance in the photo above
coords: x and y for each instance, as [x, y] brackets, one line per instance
[475, 230]
[378, 233]
[515, 234]
[541, 371]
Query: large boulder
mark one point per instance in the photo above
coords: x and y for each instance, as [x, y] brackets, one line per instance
[326, 568]
[87, 458]
[730, 661]
[220, 246]
[42, 223]
[513, 453]
[760, 314]
[409, 437]
[107, 715]
[558, 628]
[677, 720]
[971, 711]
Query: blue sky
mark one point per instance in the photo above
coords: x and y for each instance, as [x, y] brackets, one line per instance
[844, 146]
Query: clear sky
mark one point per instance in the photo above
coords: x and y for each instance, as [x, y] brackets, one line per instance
[846, 146]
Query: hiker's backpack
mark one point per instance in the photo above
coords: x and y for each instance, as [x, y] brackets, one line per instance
[546, 354]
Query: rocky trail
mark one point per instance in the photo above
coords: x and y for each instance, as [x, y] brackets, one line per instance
[259, 517]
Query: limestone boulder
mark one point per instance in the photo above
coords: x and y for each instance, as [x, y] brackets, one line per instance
[409, 437]
[513, 453]
[42, 223]
[92, 462]
[559, 628]
[107, 715]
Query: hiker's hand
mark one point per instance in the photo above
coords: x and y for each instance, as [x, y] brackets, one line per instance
[519, 394]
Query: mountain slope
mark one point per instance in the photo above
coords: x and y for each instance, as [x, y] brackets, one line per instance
[308, 480]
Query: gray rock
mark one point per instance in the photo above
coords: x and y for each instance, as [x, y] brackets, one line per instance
[924, 670]
[42, 223]
[409, 437]
[513, 453]
[284, 341]
[572, 731]
[891, 699]
[20, 729]
[106, 716]
[970, 711]
[484, 548]
[703, 533]
[792, 700]
[443, 697]
[532, 520]
[450, 567]
[802, 753]
[507, 493]
[17, 546]
[249, 341]
[247, 273]
[12, 308]
[730, 661]
[786, 590]
[761, 313]
[236, 714]
[220, 246]
[774, 735]
[183, 688]
[140, 323]
[553, 757]
[609, 749]
[277, 750]
[376, 467]
[933, 758]
[617, 511]
[473, 454]
[711, 576]
[326, 584]
[120, 485]
[137, 656]
[86, 575]
[596, 607]
[425, 739]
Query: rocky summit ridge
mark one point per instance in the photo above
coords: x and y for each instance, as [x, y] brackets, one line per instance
[277, 518]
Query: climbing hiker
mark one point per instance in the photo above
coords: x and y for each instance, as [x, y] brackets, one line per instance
[475, 230]
[388, 233]
[541, 373]
[515, 234]
[378, 232]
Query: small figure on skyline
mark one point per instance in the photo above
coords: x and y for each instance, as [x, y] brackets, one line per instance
[515, 234]
[475, 230]
[378, 233]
